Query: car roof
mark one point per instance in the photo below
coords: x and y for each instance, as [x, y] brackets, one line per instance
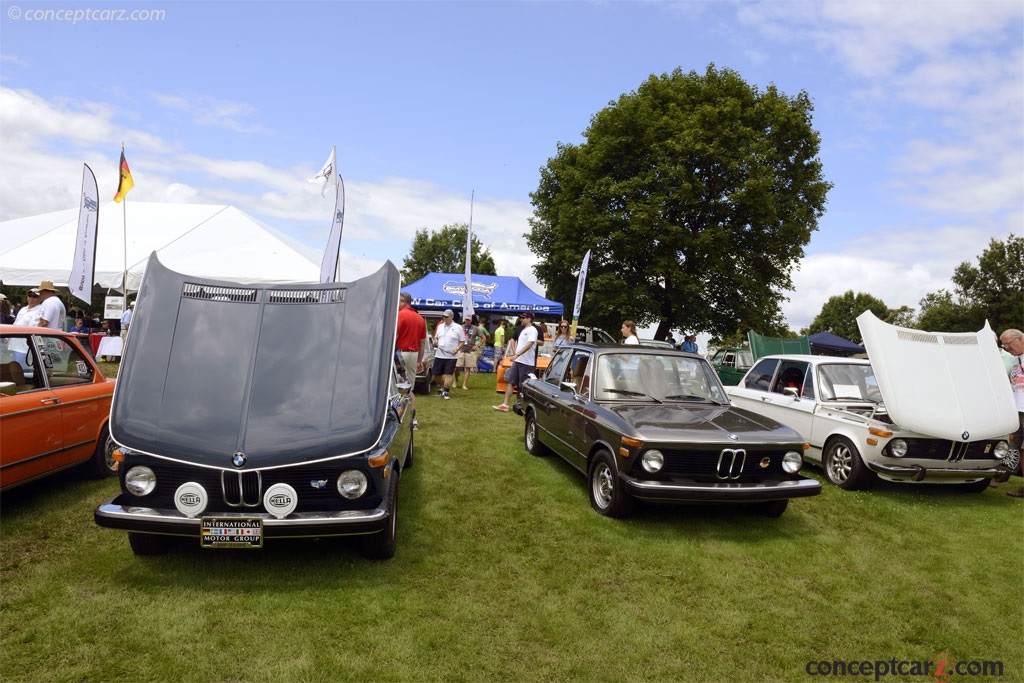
[599, 347]
[811, 358]
[26, 329]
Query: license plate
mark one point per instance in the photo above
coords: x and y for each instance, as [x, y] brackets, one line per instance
[233, 532]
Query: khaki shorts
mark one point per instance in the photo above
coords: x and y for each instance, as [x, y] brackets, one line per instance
[468, 359]
[409, 361]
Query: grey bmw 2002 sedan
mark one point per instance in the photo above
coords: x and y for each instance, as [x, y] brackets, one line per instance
[655, 424]
[252, 411]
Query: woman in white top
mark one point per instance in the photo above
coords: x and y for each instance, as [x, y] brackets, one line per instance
[629, 333]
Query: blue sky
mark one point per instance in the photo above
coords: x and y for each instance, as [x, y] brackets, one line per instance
[920, 106]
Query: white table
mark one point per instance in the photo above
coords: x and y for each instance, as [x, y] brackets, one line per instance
[110, 346]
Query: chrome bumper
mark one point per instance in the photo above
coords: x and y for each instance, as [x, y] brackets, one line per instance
[949, 474]
[113, 515]
[724, 492]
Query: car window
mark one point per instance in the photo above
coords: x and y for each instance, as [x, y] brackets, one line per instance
[848, 382]
[790, 376]
[555, 369]
[18, 365]
[63, 362]
[603, 337]
[579, 371]
[632, 376]
[744, 359]
[760, 376]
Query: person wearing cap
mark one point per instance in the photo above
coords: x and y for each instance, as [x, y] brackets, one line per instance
[5, 311]
[524, 359]
[448, 339]
[29, 313]
[51, 308]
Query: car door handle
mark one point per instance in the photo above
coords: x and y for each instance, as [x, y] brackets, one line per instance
[765, 398]
[50, 401]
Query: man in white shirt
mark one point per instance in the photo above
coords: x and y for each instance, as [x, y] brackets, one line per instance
[448, 340]
[51, 308]
[1013, 341]
[524, 360]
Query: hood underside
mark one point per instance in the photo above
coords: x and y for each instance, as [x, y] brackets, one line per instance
[949, 385]
[282, 373]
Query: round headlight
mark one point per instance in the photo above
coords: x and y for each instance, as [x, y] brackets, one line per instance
[653, 460]
[1002, 450]
[898, 448]
[352, 484]
[791, 462]
[140, 480]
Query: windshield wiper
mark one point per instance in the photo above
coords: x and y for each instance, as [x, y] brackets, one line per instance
[627, 392]
[692, 397]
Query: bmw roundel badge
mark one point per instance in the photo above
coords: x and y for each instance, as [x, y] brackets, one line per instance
[734, 437]
[238, 459]
[966, 435]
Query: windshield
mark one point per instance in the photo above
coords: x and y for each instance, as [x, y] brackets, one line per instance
[668, 377]
[848, 382]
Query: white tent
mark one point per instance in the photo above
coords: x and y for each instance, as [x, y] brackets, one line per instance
[196, 239]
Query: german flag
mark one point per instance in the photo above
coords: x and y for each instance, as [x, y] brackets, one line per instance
[124, 182]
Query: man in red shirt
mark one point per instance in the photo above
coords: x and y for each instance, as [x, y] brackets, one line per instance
[410, 341]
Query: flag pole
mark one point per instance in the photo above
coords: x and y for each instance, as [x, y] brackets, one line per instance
[124, 229]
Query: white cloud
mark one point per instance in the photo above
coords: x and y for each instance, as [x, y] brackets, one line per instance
[210, 111]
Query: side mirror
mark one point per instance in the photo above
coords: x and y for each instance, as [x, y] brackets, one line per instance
[791, 391]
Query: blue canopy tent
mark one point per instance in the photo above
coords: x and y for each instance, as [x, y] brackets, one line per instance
[826, 343]
[498, 294]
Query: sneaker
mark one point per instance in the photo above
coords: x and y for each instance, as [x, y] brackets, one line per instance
[440, 392]
[503, 408]
[445, 396]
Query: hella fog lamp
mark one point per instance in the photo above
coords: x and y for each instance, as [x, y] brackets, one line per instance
[190, 499]
[898, 448]
[280, 500]
[791, 462]
[351, 484]
[140, 480]
[1002, 450]
[653, 460]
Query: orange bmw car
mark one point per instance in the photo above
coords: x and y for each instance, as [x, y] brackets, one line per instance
[54, 406]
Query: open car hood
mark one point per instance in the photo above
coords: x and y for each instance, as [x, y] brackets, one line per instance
[283, 373]
[949, 385]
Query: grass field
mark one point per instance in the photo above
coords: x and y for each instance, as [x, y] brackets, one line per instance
[504, 573]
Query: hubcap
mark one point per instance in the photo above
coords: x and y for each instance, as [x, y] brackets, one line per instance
[840, 463]
[603, 485]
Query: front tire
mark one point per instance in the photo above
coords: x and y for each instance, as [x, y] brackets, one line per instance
[771, 508]
[531, 437]
[844, 467]
[102, 463]
[975, 486]
[381, 545]
[148, 544]
[607, 496]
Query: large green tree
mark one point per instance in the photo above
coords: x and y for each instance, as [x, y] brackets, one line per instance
[839, 314]
[992, 290]
[444, 251]
[696, 194]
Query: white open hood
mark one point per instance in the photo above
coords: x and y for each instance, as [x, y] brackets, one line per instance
[949, 385]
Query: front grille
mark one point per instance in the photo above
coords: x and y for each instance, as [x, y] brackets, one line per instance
[718, 464]
[950, 451]
[234, 491]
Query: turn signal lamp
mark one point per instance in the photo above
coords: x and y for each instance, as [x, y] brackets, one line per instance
[880, 432]
[628, 443]
[379, 460]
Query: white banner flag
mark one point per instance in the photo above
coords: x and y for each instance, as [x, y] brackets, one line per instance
[329, 266]
[467, 297]
[580, 285]
[328, 174]
[84, 266]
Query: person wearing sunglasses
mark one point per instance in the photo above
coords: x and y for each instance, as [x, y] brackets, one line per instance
[1013, 342]
[562, 336]
[31, 312]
